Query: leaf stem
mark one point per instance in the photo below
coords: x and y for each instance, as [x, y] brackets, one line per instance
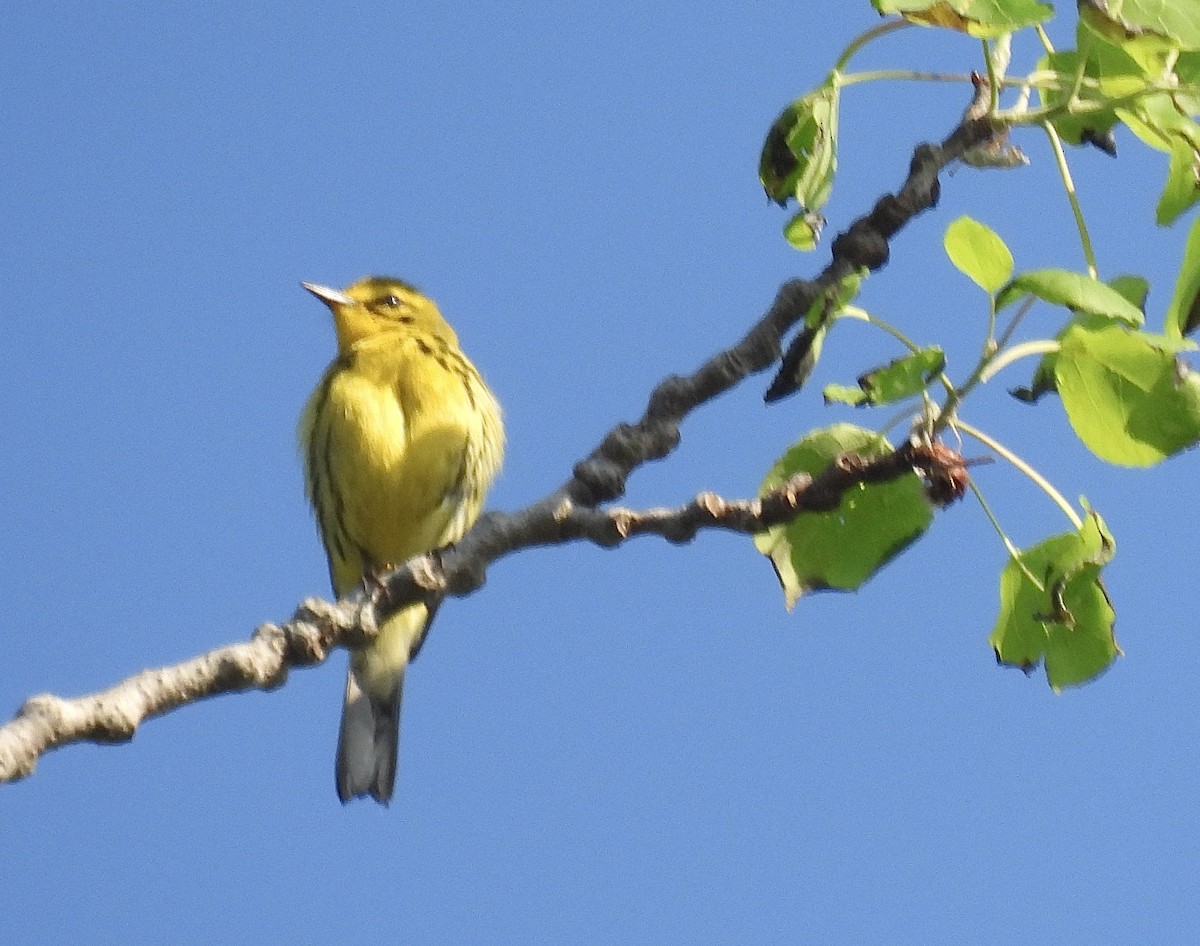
[1022, 311]
[862, 315]
[1040, 481]
[993, 85]
[1064, 171]
[1005, 358]
[867, 36]
[875, 75]
[1013, 551]
[1079, 107]
[991, 352]
[1042, 35]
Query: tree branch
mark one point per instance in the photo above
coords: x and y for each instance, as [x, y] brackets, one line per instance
[49, 722]
[570, 513]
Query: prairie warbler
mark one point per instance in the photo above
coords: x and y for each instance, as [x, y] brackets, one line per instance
[400, 442]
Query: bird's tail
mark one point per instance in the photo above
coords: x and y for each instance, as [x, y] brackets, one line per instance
[369, 738]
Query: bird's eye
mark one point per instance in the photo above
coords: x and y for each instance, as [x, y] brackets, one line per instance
[390, 302]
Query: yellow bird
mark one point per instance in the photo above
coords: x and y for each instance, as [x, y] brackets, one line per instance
[400, 442]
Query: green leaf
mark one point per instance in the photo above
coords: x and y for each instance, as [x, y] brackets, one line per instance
[1115, 73]
[1130, 401]
[1124, 58]
[1133, 289]
[1183, 314]
[1074, 290]
[804, 230]
[841, 549]
[978, 253]
[895, 381]
[1114, 69]
[1053, 607]
[1144, 24]
[1160, 120]
[845, 394]
[799, 156]
[982, 18]
[1183, 182]
[1187, 68]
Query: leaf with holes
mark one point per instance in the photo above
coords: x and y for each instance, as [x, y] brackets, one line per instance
[895, 381]
[1054, 608]
[841, 549]
[799, 156]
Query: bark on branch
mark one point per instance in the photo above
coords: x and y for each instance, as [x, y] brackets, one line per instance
[571, 513]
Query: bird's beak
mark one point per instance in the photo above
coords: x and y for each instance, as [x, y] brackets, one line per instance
[329, 296]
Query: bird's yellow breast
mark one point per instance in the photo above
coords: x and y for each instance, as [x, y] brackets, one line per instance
[401, 440]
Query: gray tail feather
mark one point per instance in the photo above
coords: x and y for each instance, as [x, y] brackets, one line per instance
[368, 742]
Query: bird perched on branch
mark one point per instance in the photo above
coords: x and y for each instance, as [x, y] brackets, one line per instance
[400, 441]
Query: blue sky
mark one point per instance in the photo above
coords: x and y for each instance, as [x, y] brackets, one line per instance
[634, 746]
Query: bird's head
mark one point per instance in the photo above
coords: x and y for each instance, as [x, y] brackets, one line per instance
[380, 304]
